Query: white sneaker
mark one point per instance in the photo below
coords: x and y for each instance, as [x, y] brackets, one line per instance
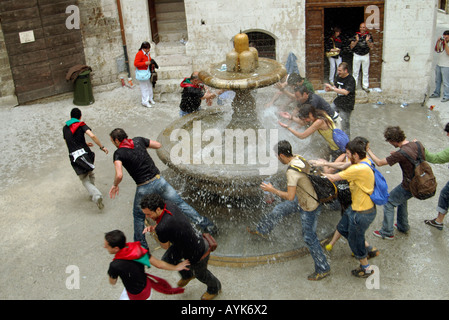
[146, 104]
[152, 101]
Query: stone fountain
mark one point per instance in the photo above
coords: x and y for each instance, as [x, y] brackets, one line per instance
[218, 158]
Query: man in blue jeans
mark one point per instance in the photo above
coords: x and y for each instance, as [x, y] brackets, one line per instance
[401, 194]
[362, 212]
[133, 155]
[300, 197]
[442, 67]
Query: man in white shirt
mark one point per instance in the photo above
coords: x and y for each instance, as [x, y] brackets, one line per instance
[442, 67]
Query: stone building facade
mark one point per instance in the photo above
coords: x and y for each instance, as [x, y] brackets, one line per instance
[189, 35]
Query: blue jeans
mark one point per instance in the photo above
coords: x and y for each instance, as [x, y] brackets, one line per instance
[309, 221]
[166, 191]
[353, 226]
[442, 77]
[443, 200]
[398, 198]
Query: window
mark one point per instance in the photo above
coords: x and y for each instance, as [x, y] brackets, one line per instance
[264, 43]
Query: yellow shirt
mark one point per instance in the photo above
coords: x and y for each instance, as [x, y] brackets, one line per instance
[361, 183]
[328, 135]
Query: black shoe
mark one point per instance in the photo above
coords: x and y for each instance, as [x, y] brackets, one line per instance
[435, 224]
[360, 272]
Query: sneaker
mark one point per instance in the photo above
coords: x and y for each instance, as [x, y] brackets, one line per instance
[444, 99]
[378, 234]
[435, 224]
[396, 227]
[100, 204]
[318, 276]
[263, 235]
[183, 282]
[152, 101]
[434, 95]
[360, 272]
[146, 104]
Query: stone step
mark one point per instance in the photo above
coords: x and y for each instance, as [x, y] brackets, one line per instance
[170, 48]
[168, 86]
[173, 60]
[169, 16]
[172, 25]
[174, 72]
[165, 36]
[170, 6]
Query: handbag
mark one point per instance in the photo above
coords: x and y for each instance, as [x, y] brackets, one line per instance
[143, 75]
[332, 53]
[212, 244]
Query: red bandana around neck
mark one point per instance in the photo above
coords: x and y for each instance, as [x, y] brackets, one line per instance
[74, 126]
[163, 212]
[127, 143]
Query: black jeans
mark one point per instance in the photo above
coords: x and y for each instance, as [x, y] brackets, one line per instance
[198, 270]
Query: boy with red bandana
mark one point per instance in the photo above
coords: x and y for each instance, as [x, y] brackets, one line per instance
[129, 264]
[81, 157]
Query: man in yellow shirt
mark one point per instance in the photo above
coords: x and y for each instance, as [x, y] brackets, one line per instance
[362, 212]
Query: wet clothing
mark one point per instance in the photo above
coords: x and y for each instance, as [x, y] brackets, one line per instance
[328, 135]
[191, 96]
[347, 102]
[361, 184]
[408, 169]
[136, 159]
[186, 243]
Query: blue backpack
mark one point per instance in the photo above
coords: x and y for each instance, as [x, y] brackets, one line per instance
[380, 194]
[340, 138]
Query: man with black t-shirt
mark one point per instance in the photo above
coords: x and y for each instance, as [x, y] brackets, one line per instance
[181, 241]
[361, 44]
[345, 100]
[81, 157]
[133, 155]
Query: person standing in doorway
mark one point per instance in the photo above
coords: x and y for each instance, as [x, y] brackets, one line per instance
[142, 63]
[81, 157]
[442, 67]
[333, 48]
[361, 44]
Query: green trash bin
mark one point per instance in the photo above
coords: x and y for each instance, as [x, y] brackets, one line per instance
[83, 95]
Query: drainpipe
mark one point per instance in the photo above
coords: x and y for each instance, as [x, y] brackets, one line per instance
[122, 30]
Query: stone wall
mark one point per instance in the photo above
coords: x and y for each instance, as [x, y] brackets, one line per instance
[409, 29]
[7, 96]
[213, 24]
[102, 39]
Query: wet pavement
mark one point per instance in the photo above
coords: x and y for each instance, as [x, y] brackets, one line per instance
[50, 228]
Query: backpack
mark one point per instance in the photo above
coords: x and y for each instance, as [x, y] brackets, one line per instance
[423, 185]
[340, 138]
[380, 194]
[325, 189]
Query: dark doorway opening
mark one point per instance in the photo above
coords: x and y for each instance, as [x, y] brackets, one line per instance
[348, 19]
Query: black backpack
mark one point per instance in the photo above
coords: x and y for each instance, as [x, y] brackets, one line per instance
[325, 189]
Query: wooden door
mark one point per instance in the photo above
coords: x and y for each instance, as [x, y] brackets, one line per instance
[315, 38]
[153, 21]
[41, 49]
[314, 45]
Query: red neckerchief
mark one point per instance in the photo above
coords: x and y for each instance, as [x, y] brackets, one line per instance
[186, 83]
[74, 126]
[132, 251]
[163, 212]
[127, 143]
[362, 35]
[336, 39]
